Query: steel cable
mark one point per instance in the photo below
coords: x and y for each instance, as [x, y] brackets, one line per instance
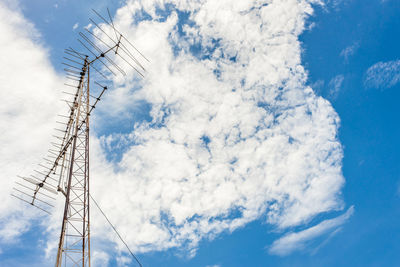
[115, 230]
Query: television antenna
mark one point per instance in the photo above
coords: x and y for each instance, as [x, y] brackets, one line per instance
[65, 169]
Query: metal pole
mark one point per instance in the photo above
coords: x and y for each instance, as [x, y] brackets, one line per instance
[88, 169]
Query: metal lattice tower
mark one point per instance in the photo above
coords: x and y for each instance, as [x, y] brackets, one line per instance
[66, 167]
[74, 241]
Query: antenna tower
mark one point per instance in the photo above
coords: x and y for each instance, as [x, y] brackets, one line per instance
[66, 167]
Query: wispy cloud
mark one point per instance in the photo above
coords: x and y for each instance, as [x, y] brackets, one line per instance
[298, 240]
[335, 85]
[336, 5]
[76, 25]
[347, 52]
[318, 86]
[383, 75]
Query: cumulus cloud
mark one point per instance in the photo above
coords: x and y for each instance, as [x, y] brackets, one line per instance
[100, 258]
[30, 93]
[335, 85]
[233, 134]
[298, 240]
[383, 75]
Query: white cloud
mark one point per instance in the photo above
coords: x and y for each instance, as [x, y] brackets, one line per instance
[383, 75]
[100, 258]
[11, 228]
[335, 5]
[349, 51]
[335, 85]
[298, 240]
[235, 135]
[76, 25]
[89, 26]
[30, 102]
[318, 86]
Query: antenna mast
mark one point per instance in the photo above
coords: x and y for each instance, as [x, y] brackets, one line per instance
[76, 220]
[66, 168]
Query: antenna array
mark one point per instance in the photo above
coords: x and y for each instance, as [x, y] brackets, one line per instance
[65, 169]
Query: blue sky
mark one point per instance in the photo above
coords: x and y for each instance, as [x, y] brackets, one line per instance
[350, 54]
